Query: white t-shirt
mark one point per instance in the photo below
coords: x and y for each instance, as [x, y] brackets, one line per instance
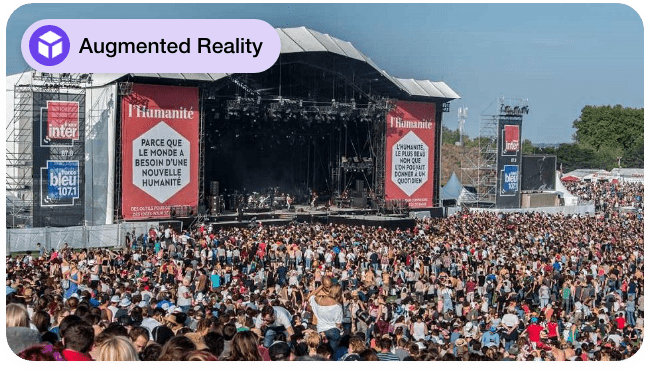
[328, 316]
[510, 320]
[149, 324]
[182, 301]
[282, 318]
[418, 330]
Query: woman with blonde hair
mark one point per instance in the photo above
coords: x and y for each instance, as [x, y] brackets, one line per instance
[17, 316]
[117, 348]
[244, 347]
[325, 303]
[312, 339]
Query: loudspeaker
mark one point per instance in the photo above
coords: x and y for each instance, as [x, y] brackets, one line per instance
[359, 202]
[214, 187]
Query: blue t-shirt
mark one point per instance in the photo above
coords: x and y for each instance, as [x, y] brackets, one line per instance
[216, 280]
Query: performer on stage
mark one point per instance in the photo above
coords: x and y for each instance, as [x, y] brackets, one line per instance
[314, 198]
[289, 200]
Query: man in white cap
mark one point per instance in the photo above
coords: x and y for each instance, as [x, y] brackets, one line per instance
[123, 309]
[115, 300]
[470, 330]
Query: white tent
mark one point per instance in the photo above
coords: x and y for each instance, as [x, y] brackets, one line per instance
[569, 199]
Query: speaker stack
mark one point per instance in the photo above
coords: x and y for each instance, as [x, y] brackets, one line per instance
[214, 187]
[213, 202]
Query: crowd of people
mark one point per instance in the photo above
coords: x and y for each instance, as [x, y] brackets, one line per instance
[607, 196]
[472, 286]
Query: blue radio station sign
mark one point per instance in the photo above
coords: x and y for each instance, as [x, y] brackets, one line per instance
[62, 187]
[510, 180]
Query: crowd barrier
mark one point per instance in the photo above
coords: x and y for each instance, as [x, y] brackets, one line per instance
[584, 209]
[22, 240]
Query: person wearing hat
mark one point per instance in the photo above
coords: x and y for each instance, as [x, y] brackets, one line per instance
[460, 347]
[123, 308]
[490, 338]
[113, 307]
[534, 330]
[470, 330]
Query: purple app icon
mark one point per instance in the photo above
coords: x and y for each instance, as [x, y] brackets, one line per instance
[49, 45]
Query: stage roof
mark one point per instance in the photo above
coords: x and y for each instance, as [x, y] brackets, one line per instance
[301, 40]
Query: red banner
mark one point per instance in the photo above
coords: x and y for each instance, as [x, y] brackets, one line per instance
[160, 151]
[511, 136]
[410, 153]
[62, 120]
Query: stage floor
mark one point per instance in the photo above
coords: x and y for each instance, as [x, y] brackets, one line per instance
[303, 213]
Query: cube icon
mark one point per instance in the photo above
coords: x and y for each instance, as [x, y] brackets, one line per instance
[50, 45]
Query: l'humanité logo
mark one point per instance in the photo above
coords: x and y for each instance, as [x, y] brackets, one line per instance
[49, 45]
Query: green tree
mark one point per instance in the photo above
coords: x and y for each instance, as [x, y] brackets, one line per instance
[615, 127]
[449, 136]
[633, 158]
[527, 147]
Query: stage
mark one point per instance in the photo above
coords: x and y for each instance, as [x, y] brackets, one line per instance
[300, 213]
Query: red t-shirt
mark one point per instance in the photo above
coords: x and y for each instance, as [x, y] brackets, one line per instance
[552, 329]
[620, 322]
[533, 332]
[70, 355]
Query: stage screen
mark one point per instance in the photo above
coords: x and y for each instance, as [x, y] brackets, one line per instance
[410, 138]
[160, 151]
[538, 172]
[58, 165]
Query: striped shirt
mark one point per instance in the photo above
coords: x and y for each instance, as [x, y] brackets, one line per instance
[388, 356]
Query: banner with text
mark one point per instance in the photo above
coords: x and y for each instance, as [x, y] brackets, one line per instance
[59, 153]
[160, 151]
[410, 134]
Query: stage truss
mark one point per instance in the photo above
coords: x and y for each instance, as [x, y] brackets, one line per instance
[20, 137]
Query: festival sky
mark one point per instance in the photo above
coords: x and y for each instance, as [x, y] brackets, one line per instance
[559, 56]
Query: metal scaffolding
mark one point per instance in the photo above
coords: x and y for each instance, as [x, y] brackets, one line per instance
[20, 138]
[479, 169]
[20, 158]
[479, 164]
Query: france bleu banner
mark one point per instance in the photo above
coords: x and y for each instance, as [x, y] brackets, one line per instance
[510, 180]
[62, 187]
